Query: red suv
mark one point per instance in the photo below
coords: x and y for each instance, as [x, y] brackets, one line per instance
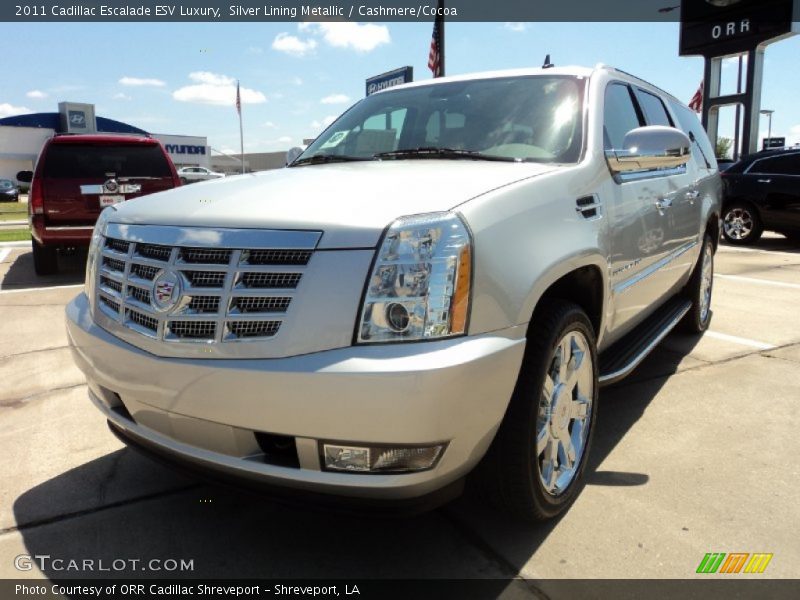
[77, 176]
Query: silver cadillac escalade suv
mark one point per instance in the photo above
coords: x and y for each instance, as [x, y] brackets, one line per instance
[436, 287]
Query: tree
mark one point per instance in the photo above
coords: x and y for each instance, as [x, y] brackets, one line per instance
[723, 149]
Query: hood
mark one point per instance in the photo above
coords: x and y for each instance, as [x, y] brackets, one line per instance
[351, 203]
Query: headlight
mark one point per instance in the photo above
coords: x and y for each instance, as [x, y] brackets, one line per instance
[94, 253]
[419, 287]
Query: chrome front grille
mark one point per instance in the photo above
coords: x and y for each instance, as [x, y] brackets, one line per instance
[176, 292]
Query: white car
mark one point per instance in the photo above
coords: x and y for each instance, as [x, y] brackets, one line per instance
[441, 281]
[190, 174]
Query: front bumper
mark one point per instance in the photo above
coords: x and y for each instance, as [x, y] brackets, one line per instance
[206, 412]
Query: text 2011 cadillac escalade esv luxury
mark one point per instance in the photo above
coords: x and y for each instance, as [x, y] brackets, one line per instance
[441, 281]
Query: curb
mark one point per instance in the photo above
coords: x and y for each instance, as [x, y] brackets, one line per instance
[21, 244]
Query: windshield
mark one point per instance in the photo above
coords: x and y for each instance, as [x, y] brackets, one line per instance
[6, 184]
[535, 118]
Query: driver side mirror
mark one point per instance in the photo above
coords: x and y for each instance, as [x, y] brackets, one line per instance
[653, 147]
[25, 176]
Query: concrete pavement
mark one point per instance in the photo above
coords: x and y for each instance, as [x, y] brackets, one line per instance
[692, 454]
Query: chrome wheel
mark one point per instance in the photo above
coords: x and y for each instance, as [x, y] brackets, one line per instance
[565, 408]
[706, 281]
[738, 224]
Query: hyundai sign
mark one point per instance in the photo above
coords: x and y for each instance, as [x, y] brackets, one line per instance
[389, 79]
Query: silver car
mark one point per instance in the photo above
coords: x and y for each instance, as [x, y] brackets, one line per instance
[436, 287]
[192, 174]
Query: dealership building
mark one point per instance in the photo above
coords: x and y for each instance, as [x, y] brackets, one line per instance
[22, 137]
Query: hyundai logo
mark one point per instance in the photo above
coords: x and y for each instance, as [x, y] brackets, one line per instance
[77, 118]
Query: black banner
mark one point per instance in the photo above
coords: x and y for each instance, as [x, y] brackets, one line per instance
[715, 586]
[339, 10]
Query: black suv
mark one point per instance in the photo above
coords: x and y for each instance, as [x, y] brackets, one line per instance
[762, 192]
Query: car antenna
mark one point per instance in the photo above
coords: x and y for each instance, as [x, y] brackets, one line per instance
[547, 64]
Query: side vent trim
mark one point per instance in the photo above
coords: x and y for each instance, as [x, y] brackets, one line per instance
[590, 207]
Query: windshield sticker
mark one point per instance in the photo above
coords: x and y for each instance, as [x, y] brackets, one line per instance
[336, 139]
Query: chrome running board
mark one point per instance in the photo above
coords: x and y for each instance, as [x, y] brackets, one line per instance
[624, 356]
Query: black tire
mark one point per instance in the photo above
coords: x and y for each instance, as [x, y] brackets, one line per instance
[184, 181]
[511, 469]
[750, 226]
[45, 259]
[699, 316]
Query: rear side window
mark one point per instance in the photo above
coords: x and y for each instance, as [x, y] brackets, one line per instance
[85, 161]
[690, 124]
[789, 164]
[620, 116]
[653, 109]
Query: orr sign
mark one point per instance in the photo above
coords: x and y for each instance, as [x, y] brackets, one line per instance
[724, 27]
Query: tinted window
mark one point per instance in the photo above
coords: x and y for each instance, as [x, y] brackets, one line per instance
[79, 161]
[654, 110]
[5, 184]
[537, 118]
[620, 116]
[690, 124]
[788, 164]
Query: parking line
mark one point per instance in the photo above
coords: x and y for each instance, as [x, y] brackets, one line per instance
[757, 280]
[770, 252]
[42, 289]
[739, 340]
[4, 254]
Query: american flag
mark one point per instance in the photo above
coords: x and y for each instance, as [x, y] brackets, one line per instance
[238, 100]
[696, 103]
[435, 54]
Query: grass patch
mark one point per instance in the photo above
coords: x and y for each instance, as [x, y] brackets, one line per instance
[15, 235]
[13, 211]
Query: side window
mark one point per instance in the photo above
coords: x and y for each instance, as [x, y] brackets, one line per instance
[788, 164]
[653, 108]
[620, 115]
[690, 124]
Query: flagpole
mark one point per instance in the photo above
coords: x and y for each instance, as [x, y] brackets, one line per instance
[441, 37]
[241, 131]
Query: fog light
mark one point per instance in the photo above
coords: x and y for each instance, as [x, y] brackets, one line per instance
[344, 458]
[381, 459]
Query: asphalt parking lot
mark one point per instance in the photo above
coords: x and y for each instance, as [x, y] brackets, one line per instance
[695, 453]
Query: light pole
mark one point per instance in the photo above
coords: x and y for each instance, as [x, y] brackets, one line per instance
[769, 128]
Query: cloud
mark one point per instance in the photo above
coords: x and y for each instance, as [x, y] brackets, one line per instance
[269, 124]
[36, 94]
[255, 50]
[211, 78]
[335, 99]
[293, 45]
[284, 139]
[297, 81]
[141, 82]
[217, 90]
[516, 27]
[361, 38]
[120, 96]
[319, 125]
[9, 110]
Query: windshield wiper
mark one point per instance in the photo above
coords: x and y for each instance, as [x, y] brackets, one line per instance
[434, 152]
[319, 159]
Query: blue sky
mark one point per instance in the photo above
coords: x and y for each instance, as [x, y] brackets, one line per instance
[178, 77]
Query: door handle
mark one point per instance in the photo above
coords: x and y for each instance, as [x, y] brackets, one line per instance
[663, 204]
[692, 196]
[765, 181]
